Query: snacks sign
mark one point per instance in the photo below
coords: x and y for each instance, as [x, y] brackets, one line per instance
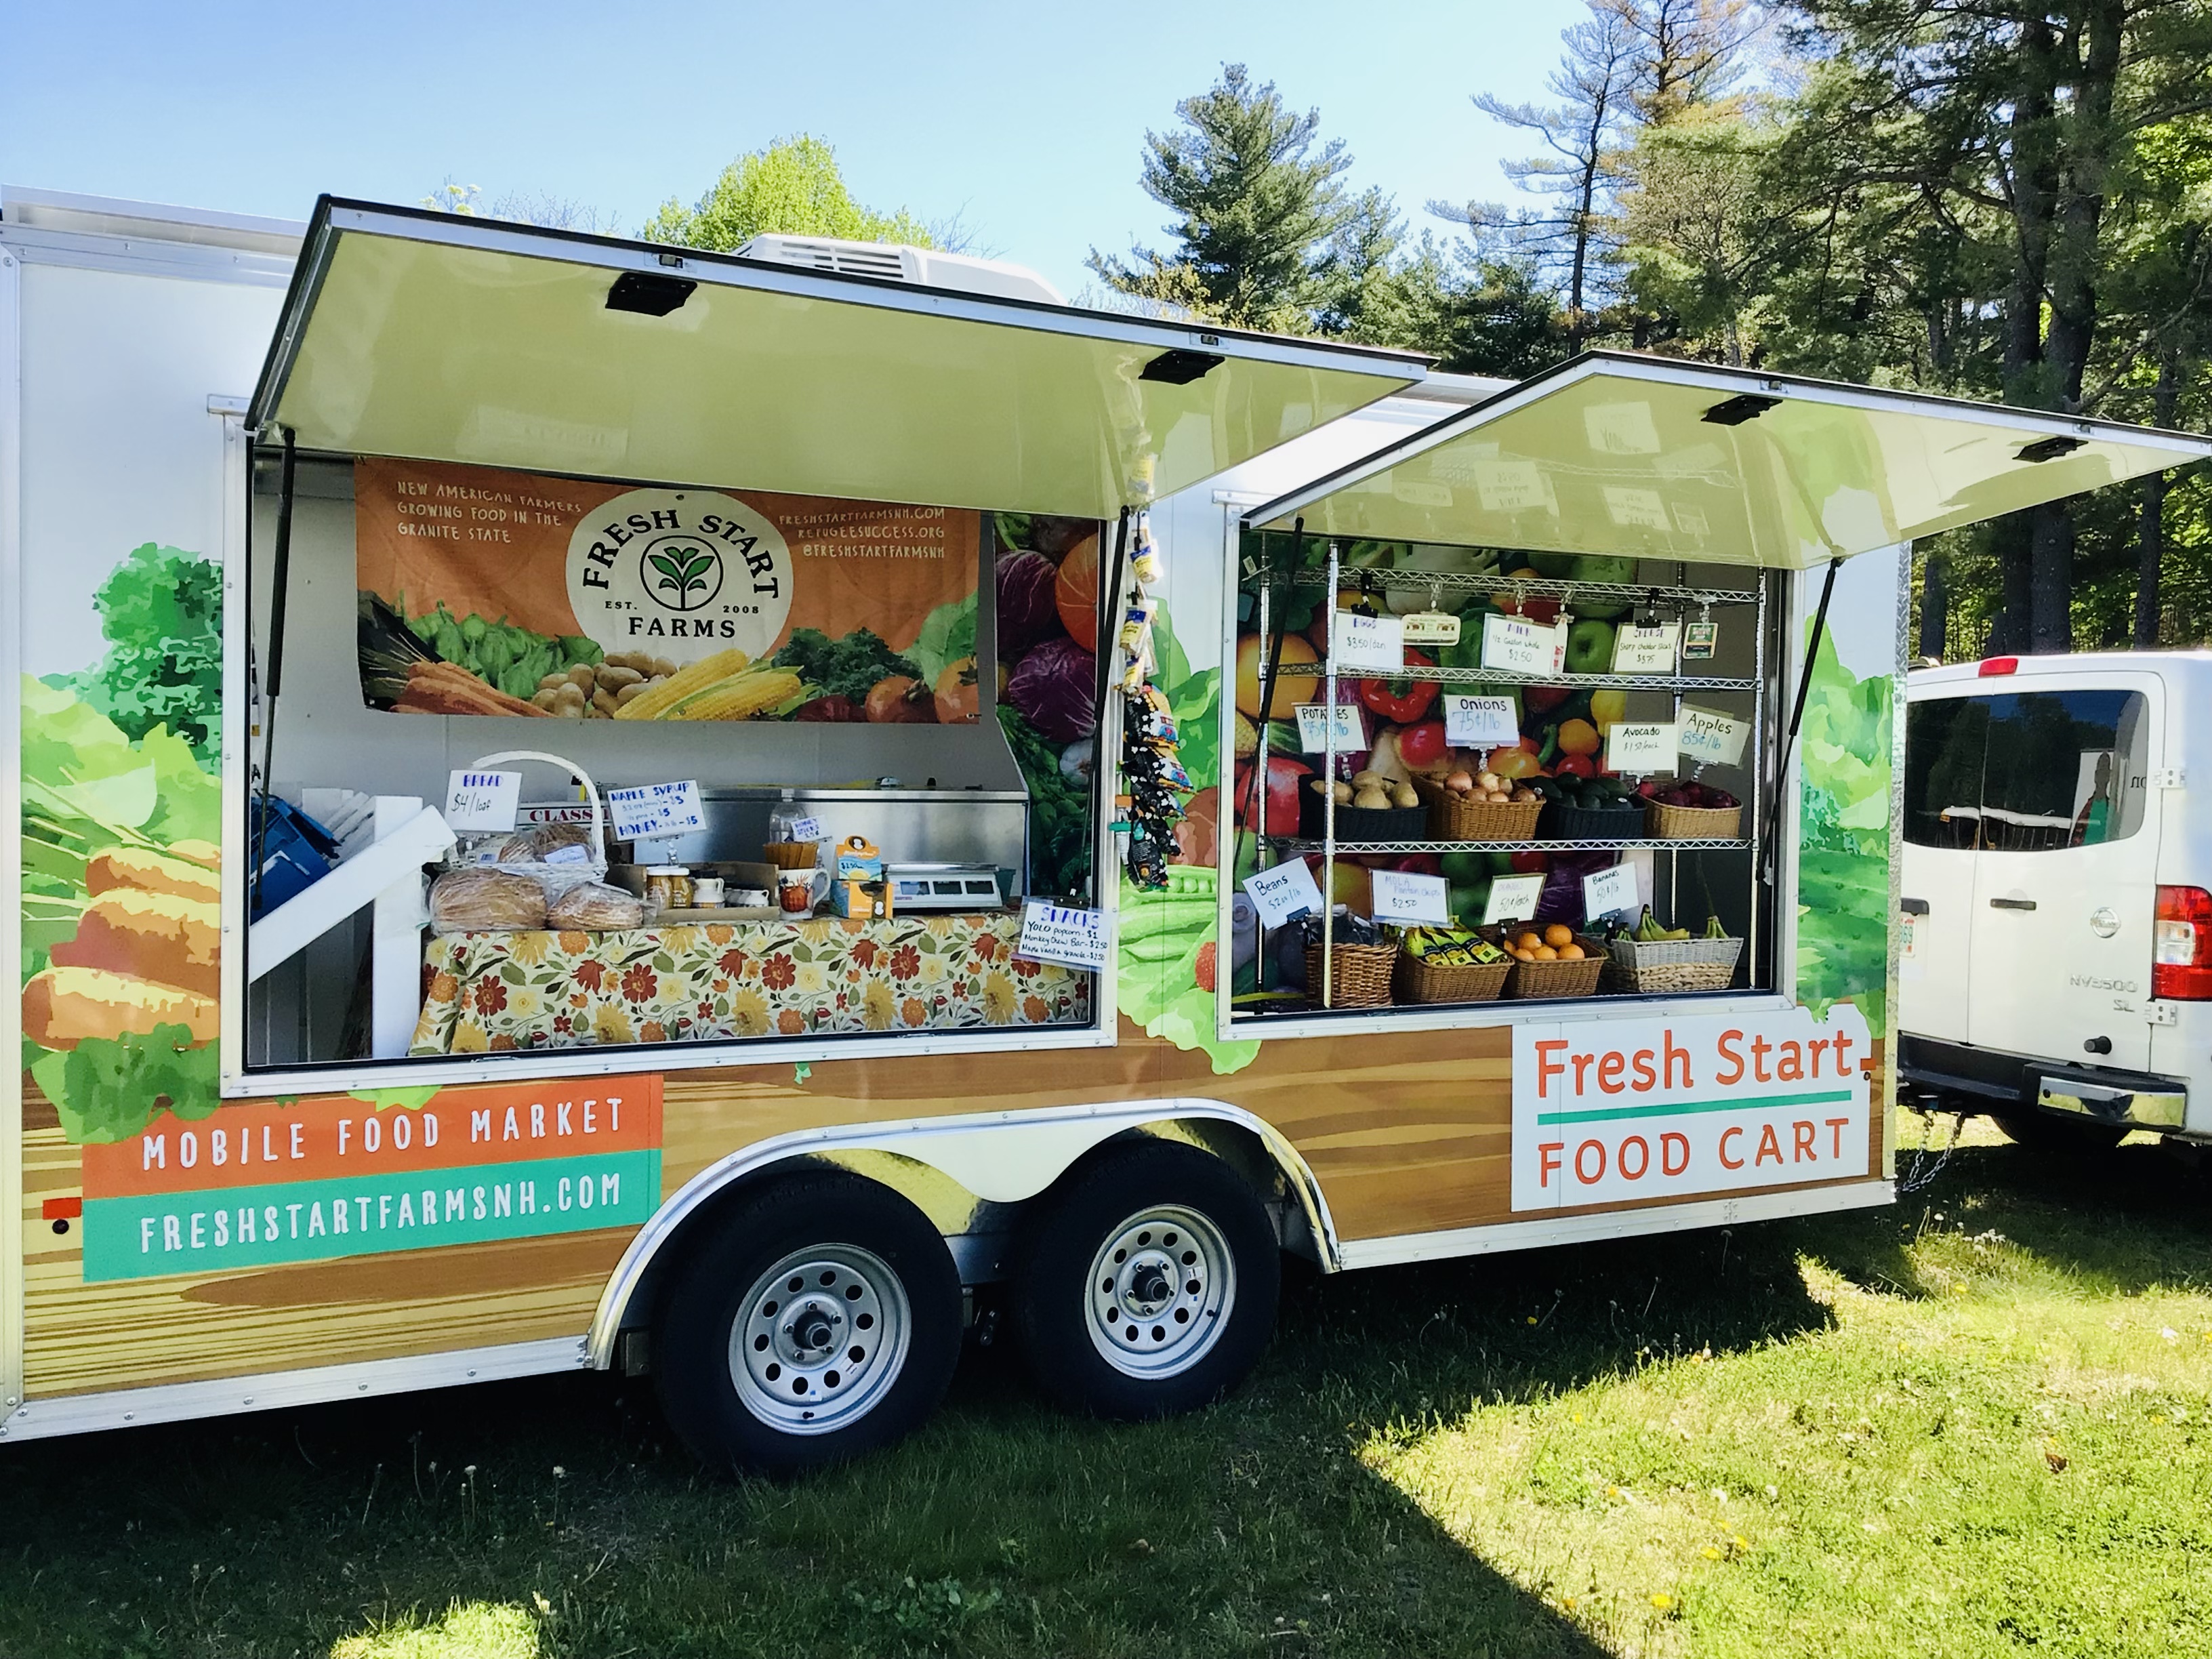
[489, 592]
[259, 1184]
[1608, 1111]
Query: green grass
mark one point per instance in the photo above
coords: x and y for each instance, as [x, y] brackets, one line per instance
[1977, 1424]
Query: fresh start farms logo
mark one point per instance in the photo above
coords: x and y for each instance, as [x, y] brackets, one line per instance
[685, 573]
[262, 1184]
[1607, 1111]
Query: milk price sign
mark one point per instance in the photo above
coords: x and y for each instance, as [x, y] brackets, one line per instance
[1605, 1111]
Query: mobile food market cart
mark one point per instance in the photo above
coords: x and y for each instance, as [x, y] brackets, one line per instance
[687, 811]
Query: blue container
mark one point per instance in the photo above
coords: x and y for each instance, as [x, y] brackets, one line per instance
[297, 852]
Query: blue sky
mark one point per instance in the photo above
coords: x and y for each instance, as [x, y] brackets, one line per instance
[1024, 120]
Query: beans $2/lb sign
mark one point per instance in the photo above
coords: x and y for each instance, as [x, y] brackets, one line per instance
[1608, 1111]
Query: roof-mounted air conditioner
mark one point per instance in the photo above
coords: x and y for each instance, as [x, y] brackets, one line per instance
[896, 262]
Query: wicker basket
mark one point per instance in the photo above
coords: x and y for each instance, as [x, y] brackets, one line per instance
[1648, 966]
[1419, 980]
[1359, 975]
[1692, 822]
[1548, 980]
[1461, 818]
[1565, 823]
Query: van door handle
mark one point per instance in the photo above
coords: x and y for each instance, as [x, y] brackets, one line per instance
[2011, 904]
[1913, 906]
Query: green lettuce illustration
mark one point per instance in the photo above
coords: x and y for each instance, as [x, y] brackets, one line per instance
[1166, 960]
[1843, 868]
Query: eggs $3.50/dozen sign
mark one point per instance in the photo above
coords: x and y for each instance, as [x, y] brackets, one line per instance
[1605, 1111]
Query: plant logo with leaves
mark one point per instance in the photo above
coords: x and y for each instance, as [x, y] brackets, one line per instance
[686, 574]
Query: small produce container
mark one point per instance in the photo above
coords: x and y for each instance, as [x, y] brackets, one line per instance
[1360, 822]
[1647, 966]
[1569, 978]
[1359, 974]
[1690, 811]
[1424, 979]
[1456, 816]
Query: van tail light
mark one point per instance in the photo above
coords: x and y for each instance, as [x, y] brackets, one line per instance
[1990, 665]
[2181, 946]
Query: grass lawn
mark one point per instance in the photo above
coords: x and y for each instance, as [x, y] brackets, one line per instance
[1977, 1424]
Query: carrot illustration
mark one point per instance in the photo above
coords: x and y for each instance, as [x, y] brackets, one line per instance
[64, 1007]
[162, 936]
[136, 869]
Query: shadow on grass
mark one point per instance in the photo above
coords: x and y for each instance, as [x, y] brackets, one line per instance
[1002, 1528]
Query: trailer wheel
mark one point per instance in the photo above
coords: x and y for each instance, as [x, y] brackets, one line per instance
[1146, 1283]
[821, 1321]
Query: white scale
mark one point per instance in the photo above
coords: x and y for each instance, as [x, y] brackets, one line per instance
[943, 887]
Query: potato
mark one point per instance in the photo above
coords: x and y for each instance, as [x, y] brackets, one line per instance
[634, 689]
[1343, 792]
[552, 682]
[584, 677]
[604, 701]
[547, 698]
[1405, 795]
[615, 676]
[1371, 800]
[664, 666]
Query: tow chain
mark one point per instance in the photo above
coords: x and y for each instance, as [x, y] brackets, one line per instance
[1926, 1167]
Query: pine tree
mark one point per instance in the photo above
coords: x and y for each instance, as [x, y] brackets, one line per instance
[1258, 211]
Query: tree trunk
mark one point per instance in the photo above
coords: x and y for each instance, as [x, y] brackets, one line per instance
[1935, 606]
[2014, 629]
[2051, 602]
[2150, 525]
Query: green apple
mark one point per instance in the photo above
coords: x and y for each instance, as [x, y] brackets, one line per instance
[1602, 567]
[1465, 869]
[1589, 646]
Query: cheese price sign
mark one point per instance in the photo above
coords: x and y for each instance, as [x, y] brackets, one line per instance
[1607, 1111]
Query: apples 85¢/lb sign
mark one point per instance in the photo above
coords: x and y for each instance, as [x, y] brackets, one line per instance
[1609, 1111]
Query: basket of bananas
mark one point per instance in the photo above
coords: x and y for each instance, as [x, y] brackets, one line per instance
[1648, 958]
[1450, 964]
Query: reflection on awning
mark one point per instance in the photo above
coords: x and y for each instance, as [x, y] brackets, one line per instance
[441, 337]
[1654, 458]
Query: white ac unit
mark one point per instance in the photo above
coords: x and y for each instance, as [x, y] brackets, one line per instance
[896, 262]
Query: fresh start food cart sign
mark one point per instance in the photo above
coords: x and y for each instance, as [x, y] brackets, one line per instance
[260, 1184]
[1608, 1111]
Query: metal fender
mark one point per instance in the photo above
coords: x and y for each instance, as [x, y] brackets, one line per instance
[1001, 1157]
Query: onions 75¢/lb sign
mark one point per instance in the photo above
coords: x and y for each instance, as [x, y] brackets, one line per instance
[1605, 1111]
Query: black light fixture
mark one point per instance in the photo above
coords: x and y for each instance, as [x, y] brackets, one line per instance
[2048, 449]
[649, 293]
[1746, 406]
[1180, 366]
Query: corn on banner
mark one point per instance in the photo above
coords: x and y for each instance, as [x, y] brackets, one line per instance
[485, 592]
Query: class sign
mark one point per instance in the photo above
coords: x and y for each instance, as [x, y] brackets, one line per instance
[1610, 1111]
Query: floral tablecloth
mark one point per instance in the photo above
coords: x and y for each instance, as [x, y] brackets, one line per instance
[747, 979]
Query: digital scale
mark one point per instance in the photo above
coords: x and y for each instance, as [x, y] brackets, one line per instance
[943, 887]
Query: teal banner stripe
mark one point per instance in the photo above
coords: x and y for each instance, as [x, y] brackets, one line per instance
[1686, 1107]
[154, 1234]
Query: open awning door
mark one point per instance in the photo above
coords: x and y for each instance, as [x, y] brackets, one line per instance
[1653, 457]
[435, 337]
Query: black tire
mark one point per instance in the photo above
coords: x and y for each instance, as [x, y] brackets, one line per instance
[1068, 1228]
[864, 1247]
[2058, 1137]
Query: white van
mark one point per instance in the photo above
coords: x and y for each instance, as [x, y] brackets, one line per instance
[2056, 968]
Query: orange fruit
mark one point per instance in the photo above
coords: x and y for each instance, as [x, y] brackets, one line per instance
[1528, 941]
[1571, 951]
[1520, 954]
[1558, 933]
[1577, 737]
[1290, 691]
[1544, 953]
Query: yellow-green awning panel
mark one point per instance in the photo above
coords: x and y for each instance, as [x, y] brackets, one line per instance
[441, 337]
[1653, 457]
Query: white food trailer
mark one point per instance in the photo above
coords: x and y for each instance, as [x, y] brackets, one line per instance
[957, 637]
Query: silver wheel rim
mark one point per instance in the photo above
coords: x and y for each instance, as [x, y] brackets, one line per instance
[820, 1339]
[1160, 1292]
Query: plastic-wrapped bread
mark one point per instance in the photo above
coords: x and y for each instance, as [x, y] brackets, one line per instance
[485, 901]
[594, 906]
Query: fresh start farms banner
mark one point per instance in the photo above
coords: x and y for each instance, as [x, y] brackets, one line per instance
[1608, 1111]
[485, 592]
[261, 1184]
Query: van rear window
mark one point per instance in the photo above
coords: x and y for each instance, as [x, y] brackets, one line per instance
[2025, 771]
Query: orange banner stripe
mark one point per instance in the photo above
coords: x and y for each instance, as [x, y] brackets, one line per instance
[256, 1142]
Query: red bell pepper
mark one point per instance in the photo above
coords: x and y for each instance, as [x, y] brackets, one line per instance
[1401, 702]
[1423, 745]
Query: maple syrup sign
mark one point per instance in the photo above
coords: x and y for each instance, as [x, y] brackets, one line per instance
[1607, 1111]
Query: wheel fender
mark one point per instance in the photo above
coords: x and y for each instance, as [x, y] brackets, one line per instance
[1002, 1157]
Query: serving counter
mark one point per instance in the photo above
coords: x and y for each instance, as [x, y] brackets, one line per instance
[956, 971]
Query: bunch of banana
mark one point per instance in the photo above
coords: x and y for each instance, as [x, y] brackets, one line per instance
[1713, 928]
[1450, 947]
[1649, 932]
[726, 686]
